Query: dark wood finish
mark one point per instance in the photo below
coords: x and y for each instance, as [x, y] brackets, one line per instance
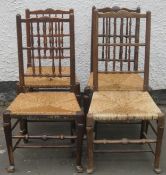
[72, 45]
[147, 50]
[46, 29]
[49, 11]
[124, 22]
[124, 141]
[45, 33]
[137, 33]
[92, 30]
[45, 137]
[125, 42]
[80, 133]
[20, 52]
[27, 15]
[114, 35]
[123, 13]
[121, 151]
[144, 128]
[160, 131]
[95, 51]
[24, 129]
[77, 138]
[8, 137]
[91, 141]
[109, 40]
[90, 166]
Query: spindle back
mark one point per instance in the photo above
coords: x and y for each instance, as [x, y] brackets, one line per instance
[121, 43]
[103, 37]
[49, 43]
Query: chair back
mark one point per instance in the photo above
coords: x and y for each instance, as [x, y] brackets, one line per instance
[46, 39]
[121, 42]
[104, 10]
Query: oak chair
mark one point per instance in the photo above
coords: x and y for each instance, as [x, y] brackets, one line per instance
[51, 105]
[45, 35]
[114, 81]
[117, 104]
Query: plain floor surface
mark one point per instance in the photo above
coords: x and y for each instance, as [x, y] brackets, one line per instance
[62, 161]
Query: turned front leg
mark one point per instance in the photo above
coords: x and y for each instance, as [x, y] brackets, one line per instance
[24, 128]
[80, 134]
[90, 166]
[8, 137]
[160, 131]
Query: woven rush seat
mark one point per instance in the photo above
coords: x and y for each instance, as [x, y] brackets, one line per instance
[117, 81]
[47, 87]
[118, 87]
[45, 103]
[125, 105]
[47, 81]
[48, 70]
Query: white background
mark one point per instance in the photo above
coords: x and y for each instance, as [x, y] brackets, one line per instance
[8, 42]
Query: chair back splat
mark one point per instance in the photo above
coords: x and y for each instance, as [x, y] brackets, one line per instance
[108, 9]
[120, 43]
[46, 49]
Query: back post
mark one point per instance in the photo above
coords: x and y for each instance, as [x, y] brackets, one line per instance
[95, 53]
[137, 33]
[72, 51]
[147, 50]
[20, 51]
[27, 14]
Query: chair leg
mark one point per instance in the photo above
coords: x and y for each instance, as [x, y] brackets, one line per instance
[86, 107]
[160, 130]
[86, 104]
[87, 99]
[72, 128]
[78, 93]
[90, 165]
[80, 134]
[18, 88]
[24, 129]
[144, 128]
[95, 130]
[8, 137]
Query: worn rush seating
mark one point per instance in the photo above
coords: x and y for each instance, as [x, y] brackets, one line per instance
[125, 56]
[46, 42]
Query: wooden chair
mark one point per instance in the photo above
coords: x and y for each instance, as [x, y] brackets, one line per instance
[43, 38]
[117, 105]
[114, 81]
[45, 106]
[102, 35]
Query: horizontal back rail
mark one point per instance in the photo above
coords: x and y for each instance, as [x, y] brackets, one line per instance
[120, 14]
[49, 11]
[45, 19]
